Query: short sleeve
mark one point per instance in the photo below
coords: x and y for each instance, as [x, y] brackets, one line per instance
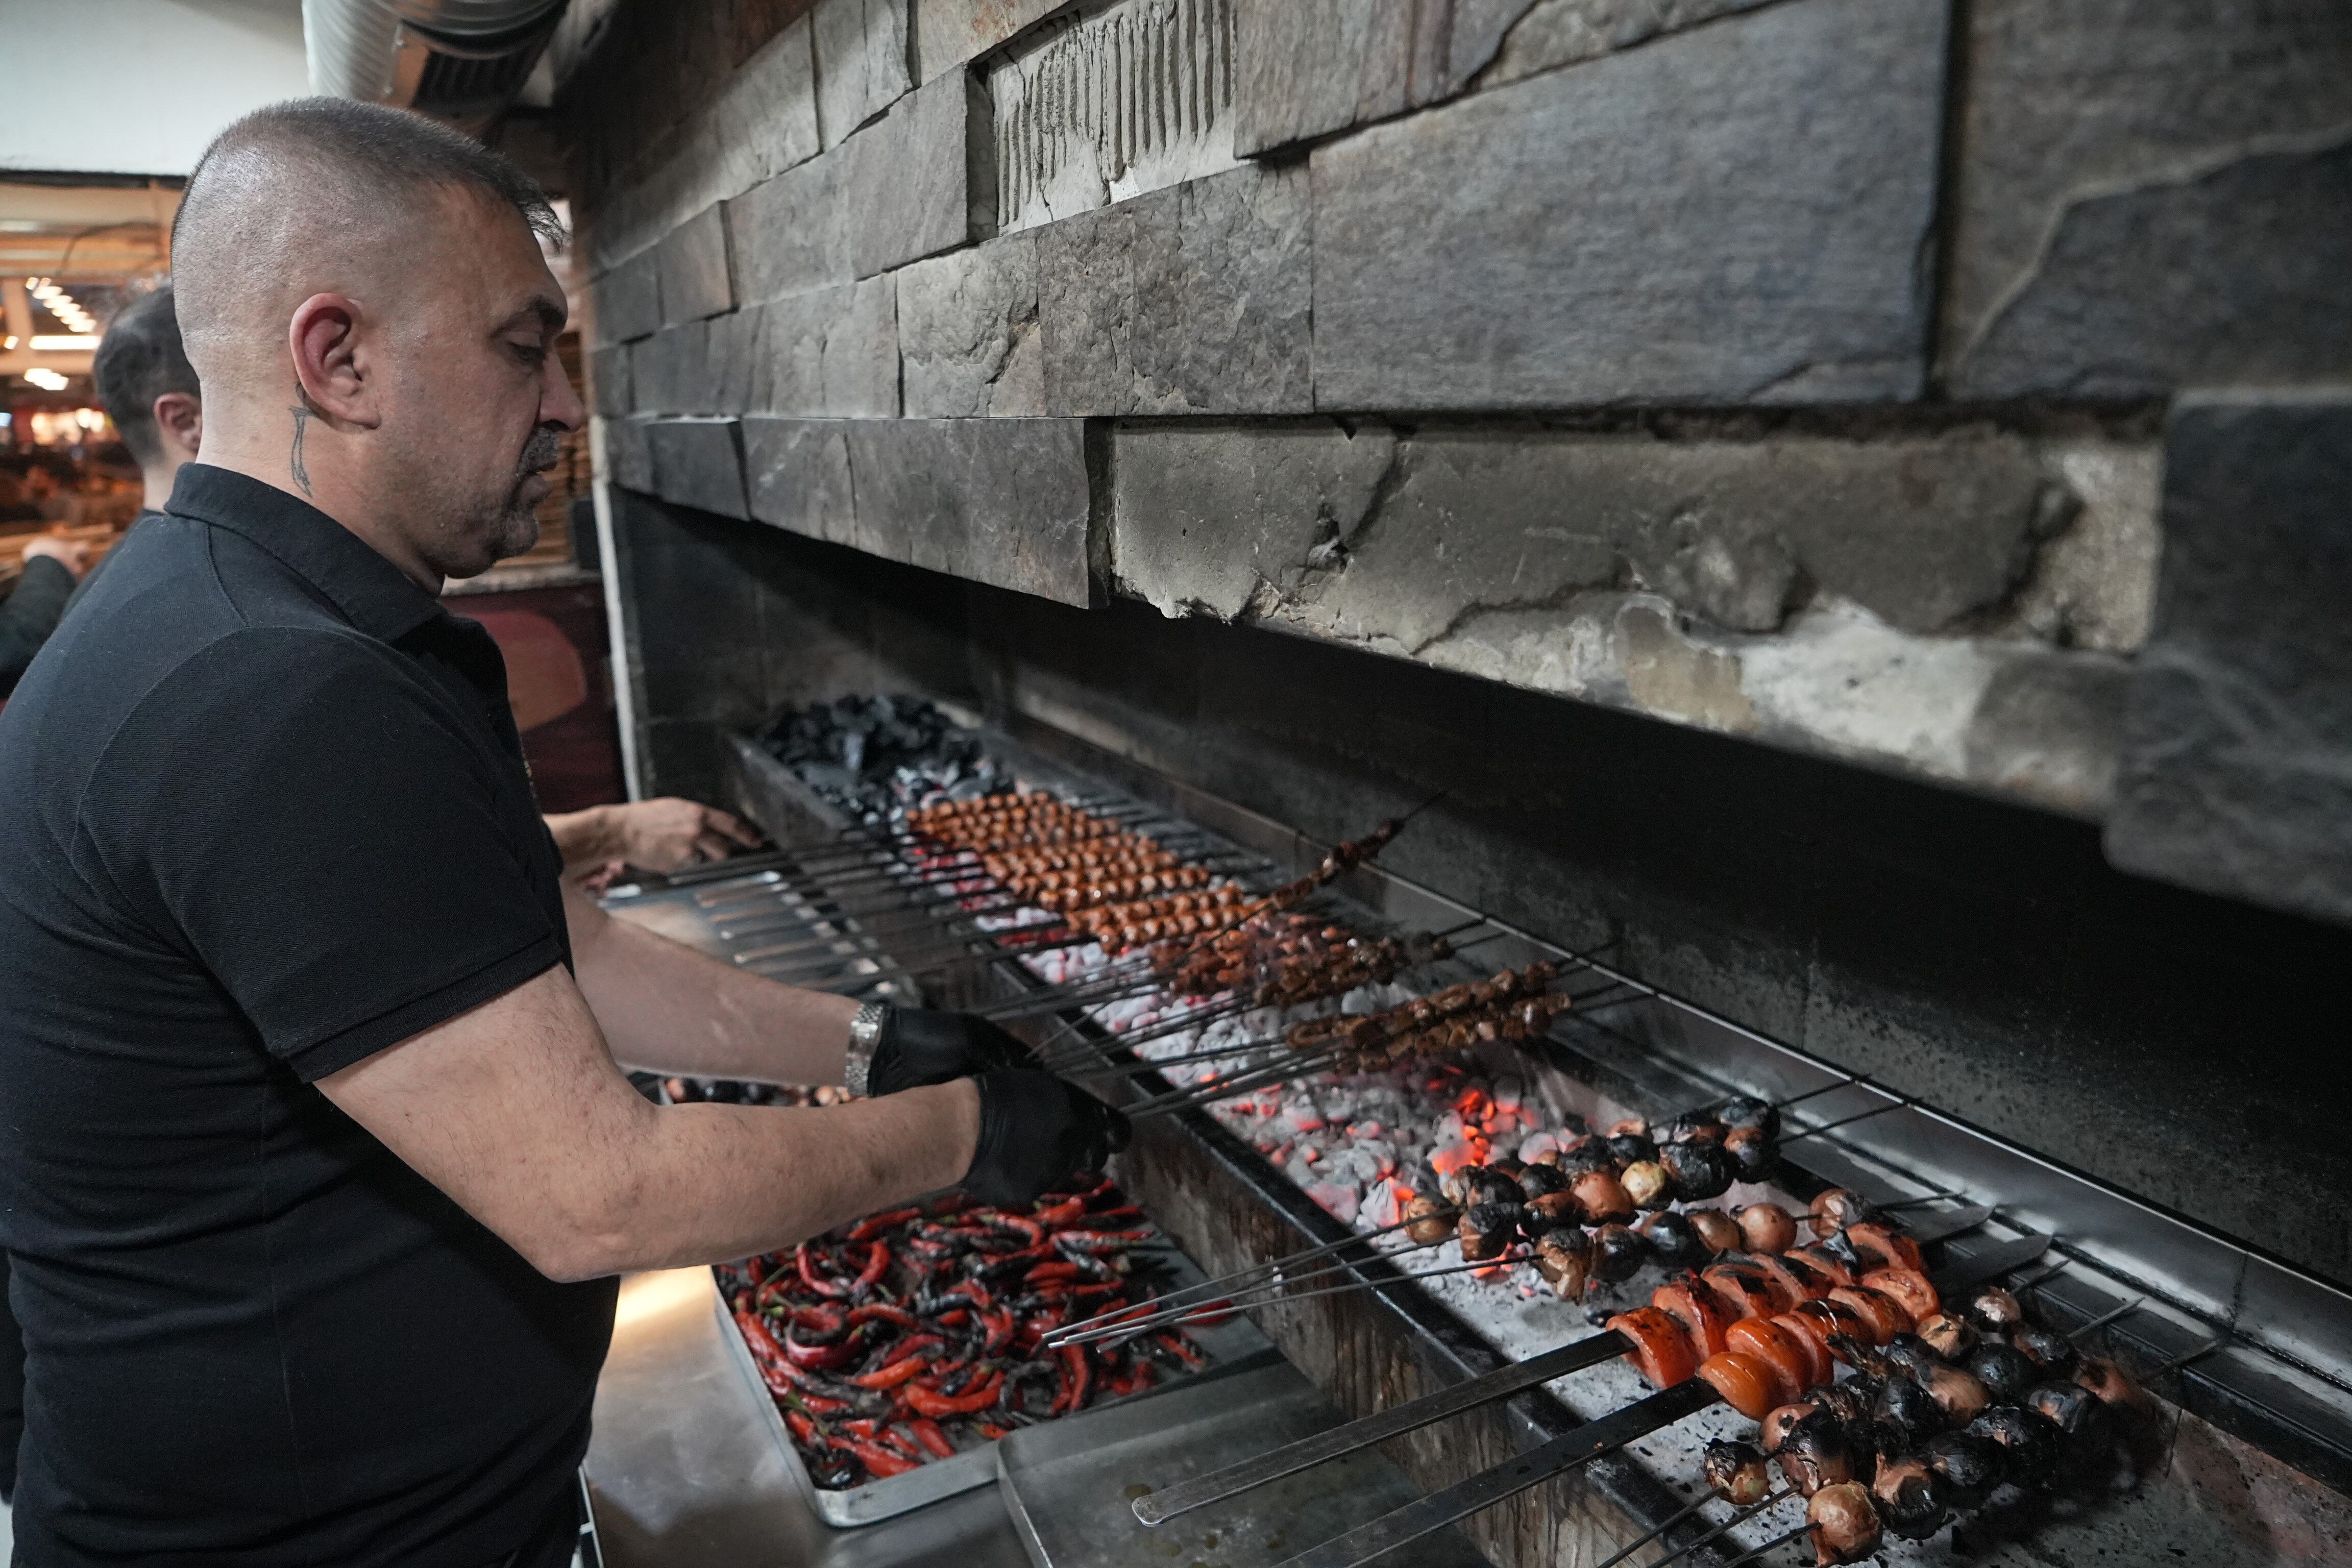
[306, 816]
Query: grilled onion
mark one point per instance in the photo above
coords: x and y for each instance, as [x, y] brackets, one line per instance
[1718, 1229]
[1844, 1523]
[1766, 1227]
[1837, 1208]
[1947, 1336]
[2028, 1440]
[1701, 1171]
[1737, 1473]
[1646, 1182]
[2003, 1369]
[1430, 1221]
[1910, 1499]
[1618, 1253]
[1674, 1239]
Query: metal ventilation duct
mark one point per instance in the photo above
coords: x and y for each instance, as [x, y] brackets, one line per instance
[461, 60]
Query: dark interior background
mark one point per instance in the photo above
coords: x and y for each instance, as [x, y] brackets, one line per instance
[1978, 955]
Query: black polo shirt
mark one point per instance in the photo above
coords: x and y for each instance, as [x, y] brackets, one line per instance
[265, 814]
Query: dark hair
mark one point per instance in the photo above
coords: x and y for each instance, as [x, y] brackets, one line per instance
[377, 150]
[138, 362]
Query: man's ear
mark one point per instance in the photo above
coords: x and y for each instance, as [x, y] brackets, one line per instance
[332, 370]
[179, 420]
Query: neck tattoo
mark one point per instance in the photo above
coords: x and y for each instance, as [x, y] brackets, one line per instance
[301, 412]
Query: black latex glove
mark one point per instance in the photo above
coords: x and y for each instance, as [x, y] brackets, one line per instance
[1036, 1131]
[920, 1048]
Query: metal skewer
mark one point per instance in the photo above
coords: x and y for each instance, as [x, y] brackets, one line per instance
[2103, 1319]
[1221, 1310]
[1846, 1122]
[1742, 1517]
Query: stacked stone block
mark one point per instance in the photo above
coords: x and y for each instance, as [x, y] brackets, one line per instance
[1795, 369]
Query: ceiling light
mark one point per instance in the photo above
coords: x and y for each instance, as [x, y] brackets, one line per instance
[59, 343]
[46, 379]
[8, 344]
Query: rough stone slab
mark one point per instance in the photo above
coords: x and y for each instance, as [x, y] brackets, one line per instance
[911, 177]
[1001, 502]
[698, 463]
[968, 334]
[628, 455]
[834, 352]
[1306, 69]
[949, 33]
[1107, 102]
[788, 235]
[1190, 300]
[2237, 770]
[608, 380]
[796, 472]
[2152, 194]
[671, 372]
[1823, 592]
[628, 300]
[1732, 214]
[760, 121]
[692, 264]
[861, 63]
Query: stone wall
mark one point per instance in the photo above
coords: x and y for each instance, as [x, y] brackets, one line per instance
[1795, 370]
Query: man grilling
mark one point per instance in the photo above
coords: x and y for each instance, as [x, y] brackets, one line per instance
[319, 1162]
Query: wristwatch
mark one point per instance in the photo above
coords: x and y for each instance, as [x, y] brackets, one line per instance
[865, 1037]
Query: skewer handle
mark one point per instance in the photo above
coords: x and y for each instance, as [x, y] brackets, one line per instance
[1506, 1480]
[1160, 1507]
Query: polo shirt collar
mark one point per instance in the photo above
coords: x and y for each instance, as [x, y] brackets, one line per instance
[373, 593]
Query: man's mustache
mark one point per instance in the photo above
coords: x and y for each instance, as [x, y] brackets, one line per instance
[540, 452]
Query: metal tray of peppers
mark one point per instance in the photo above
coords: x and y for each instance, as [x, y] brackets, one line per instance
[894, 1355]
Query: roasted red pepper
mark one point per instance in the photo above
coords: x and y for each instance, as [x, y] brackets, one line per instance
[924, 1402]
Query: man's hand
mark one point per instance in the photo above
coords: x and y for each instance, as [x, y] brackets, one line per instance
[1035, 1133]
[919, 1047]
[653, 835]
[71, 554]
[666, 834]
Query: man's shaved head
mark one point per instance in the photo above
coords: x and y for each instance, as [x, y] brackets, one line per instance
[363, 294]
[308, 182]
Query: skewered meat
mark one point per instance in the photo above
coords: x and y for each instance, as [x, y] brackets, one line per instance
[1909, 1352]
[1884, 1315]
[1736, 1472]
[1835, 1319]
[1586, 1154]
[1851, 1400]
[1823, 1260]
[1947, 1336]
[1745, 1289]
[1766, 1227]
[1960, 1396]
[1538, 1180]
[1820, 1366]
[1844, 1521]
[2085, 1428]
[1883, 1246]
[1691, 1126]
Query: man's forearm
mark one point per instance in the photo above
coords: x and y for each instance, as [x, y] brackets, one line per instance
[515, 1110]
[585, 838]
[665, 1007]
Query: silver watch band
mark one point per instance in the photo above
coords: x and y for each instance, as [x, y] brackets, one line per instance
[865, 1034]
